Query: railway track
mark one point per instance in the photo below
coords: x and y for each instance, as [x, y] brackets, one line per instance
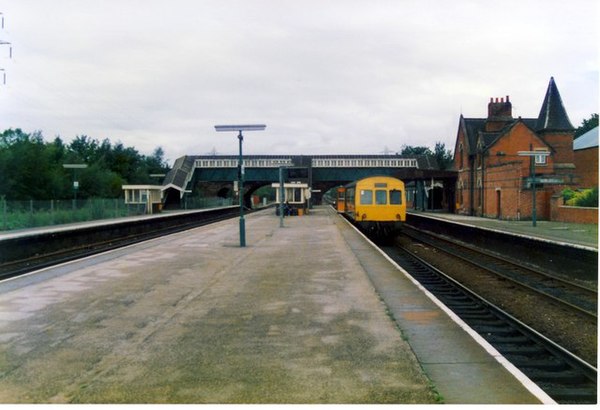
[578, 297]
[104, 242]
[563, 376]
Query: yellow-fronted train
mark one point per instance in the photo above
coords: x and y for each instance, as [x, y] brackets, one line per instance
[376, 205]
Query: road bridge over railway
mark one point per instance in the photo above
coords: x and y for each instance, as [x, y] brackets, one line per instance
[427, 186]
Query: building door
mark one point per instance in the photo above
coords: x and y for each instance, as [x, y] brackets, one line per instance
[498, 204]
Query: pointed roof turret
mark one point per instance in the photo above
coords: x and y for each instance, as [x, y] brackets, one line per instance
[553, 116]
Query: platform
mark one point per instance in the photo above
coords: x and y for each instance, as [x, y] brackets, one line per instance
[585, 235]
[307, 313]
[50, 229]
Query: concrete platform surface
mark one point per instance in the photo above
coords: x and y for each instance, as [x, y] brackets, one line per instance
[303, 314]
[193, 318]
[584, 235]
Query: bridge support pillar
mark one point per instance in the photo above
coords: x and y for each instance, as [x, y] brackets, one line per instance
[420, 195]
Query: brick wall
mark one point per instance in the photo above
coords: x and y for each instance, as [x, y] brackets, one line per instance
[572, 214]
[586, 165]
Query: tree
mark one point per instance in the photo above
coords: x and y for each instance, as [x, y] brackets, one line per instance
[85, 148]
[442, 155]
[31, 168]
[586, 125]
[409, 150]
[28, 168]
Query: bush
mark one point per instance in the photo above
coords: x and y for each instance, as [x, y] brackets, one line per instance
[567, 195]
[583, 197]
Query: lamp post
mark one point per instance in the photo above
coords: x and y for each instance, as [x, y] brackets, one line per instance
[532, 155]
[75, 167]
[239, 129]
[281, 195]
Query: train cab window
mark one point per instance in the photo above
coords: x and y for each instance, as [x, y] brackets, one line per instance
[395, 197]
[380, 197]
[366, 197]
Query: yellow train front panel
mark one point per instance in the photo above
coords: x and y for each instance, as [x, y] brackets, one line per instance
[376, 199]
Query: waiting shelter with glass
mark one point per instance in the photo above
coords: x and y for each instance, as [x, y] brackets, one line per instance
[148, 195]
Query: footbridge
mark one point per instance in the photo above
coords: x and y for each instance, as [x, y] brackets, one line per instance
[217, 175]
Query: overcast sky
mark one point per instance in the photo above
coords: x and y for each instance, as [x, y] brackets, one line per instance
[325, 76]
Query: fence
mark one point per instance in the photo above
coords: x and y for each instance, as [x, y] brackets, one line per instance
[200, 203]
[30, 214]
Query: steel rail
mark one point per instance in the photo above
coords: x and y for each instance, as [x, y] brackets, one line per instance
[512, 264]
[564, 376]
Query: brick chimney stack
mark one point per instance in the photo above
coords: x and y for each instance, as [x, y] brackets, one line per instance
[499, 114]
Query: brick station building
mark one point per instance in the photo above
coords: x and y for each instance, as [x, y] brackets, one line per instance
[494, 181]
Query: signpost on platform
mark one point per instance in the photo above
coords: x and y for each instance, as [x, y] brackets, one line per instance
[532, 154]
[75, 167]
[239, 129]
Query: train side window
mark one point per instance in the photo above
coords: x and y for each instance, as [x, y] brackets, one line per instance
[395, 197]
[366, 197]
[380, 197]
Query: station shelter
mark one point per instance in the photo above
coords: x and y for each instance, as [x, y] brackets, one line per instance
[148, 195]
[296, 197]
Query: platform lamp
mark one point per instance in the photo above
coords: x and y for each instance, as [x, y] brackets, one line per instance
[532, 158]
[239, 129]
[75, 167]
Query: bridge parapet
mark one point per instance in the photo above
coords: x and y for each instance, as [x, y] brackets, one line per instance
[249, 162]
[316, 161]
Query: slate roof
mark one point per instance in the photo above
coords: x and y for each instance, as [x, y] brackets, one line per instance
[472, 127]
[553, 116]
[475, 127]
[587, 140]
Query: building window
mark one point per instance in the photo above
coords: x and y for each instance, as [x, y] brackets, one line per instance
[541, 159]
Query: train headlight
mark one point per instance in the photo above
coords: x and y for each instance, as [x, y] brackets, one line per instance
[398, 217]
[364, 216]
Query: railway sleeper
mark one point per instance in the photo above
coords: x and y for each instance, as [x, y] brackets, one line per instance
[479, 314]
[566, 377]
[435, 284]
[580, 395]
[513, 339]
[496, 329]
[450, 291]
[521, 349]
[526, 363]
[477, 319]
[459, 302]
[463, 311]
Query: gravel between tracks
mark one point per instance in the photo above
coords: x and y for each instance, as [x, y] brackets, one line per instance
[568, 329]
